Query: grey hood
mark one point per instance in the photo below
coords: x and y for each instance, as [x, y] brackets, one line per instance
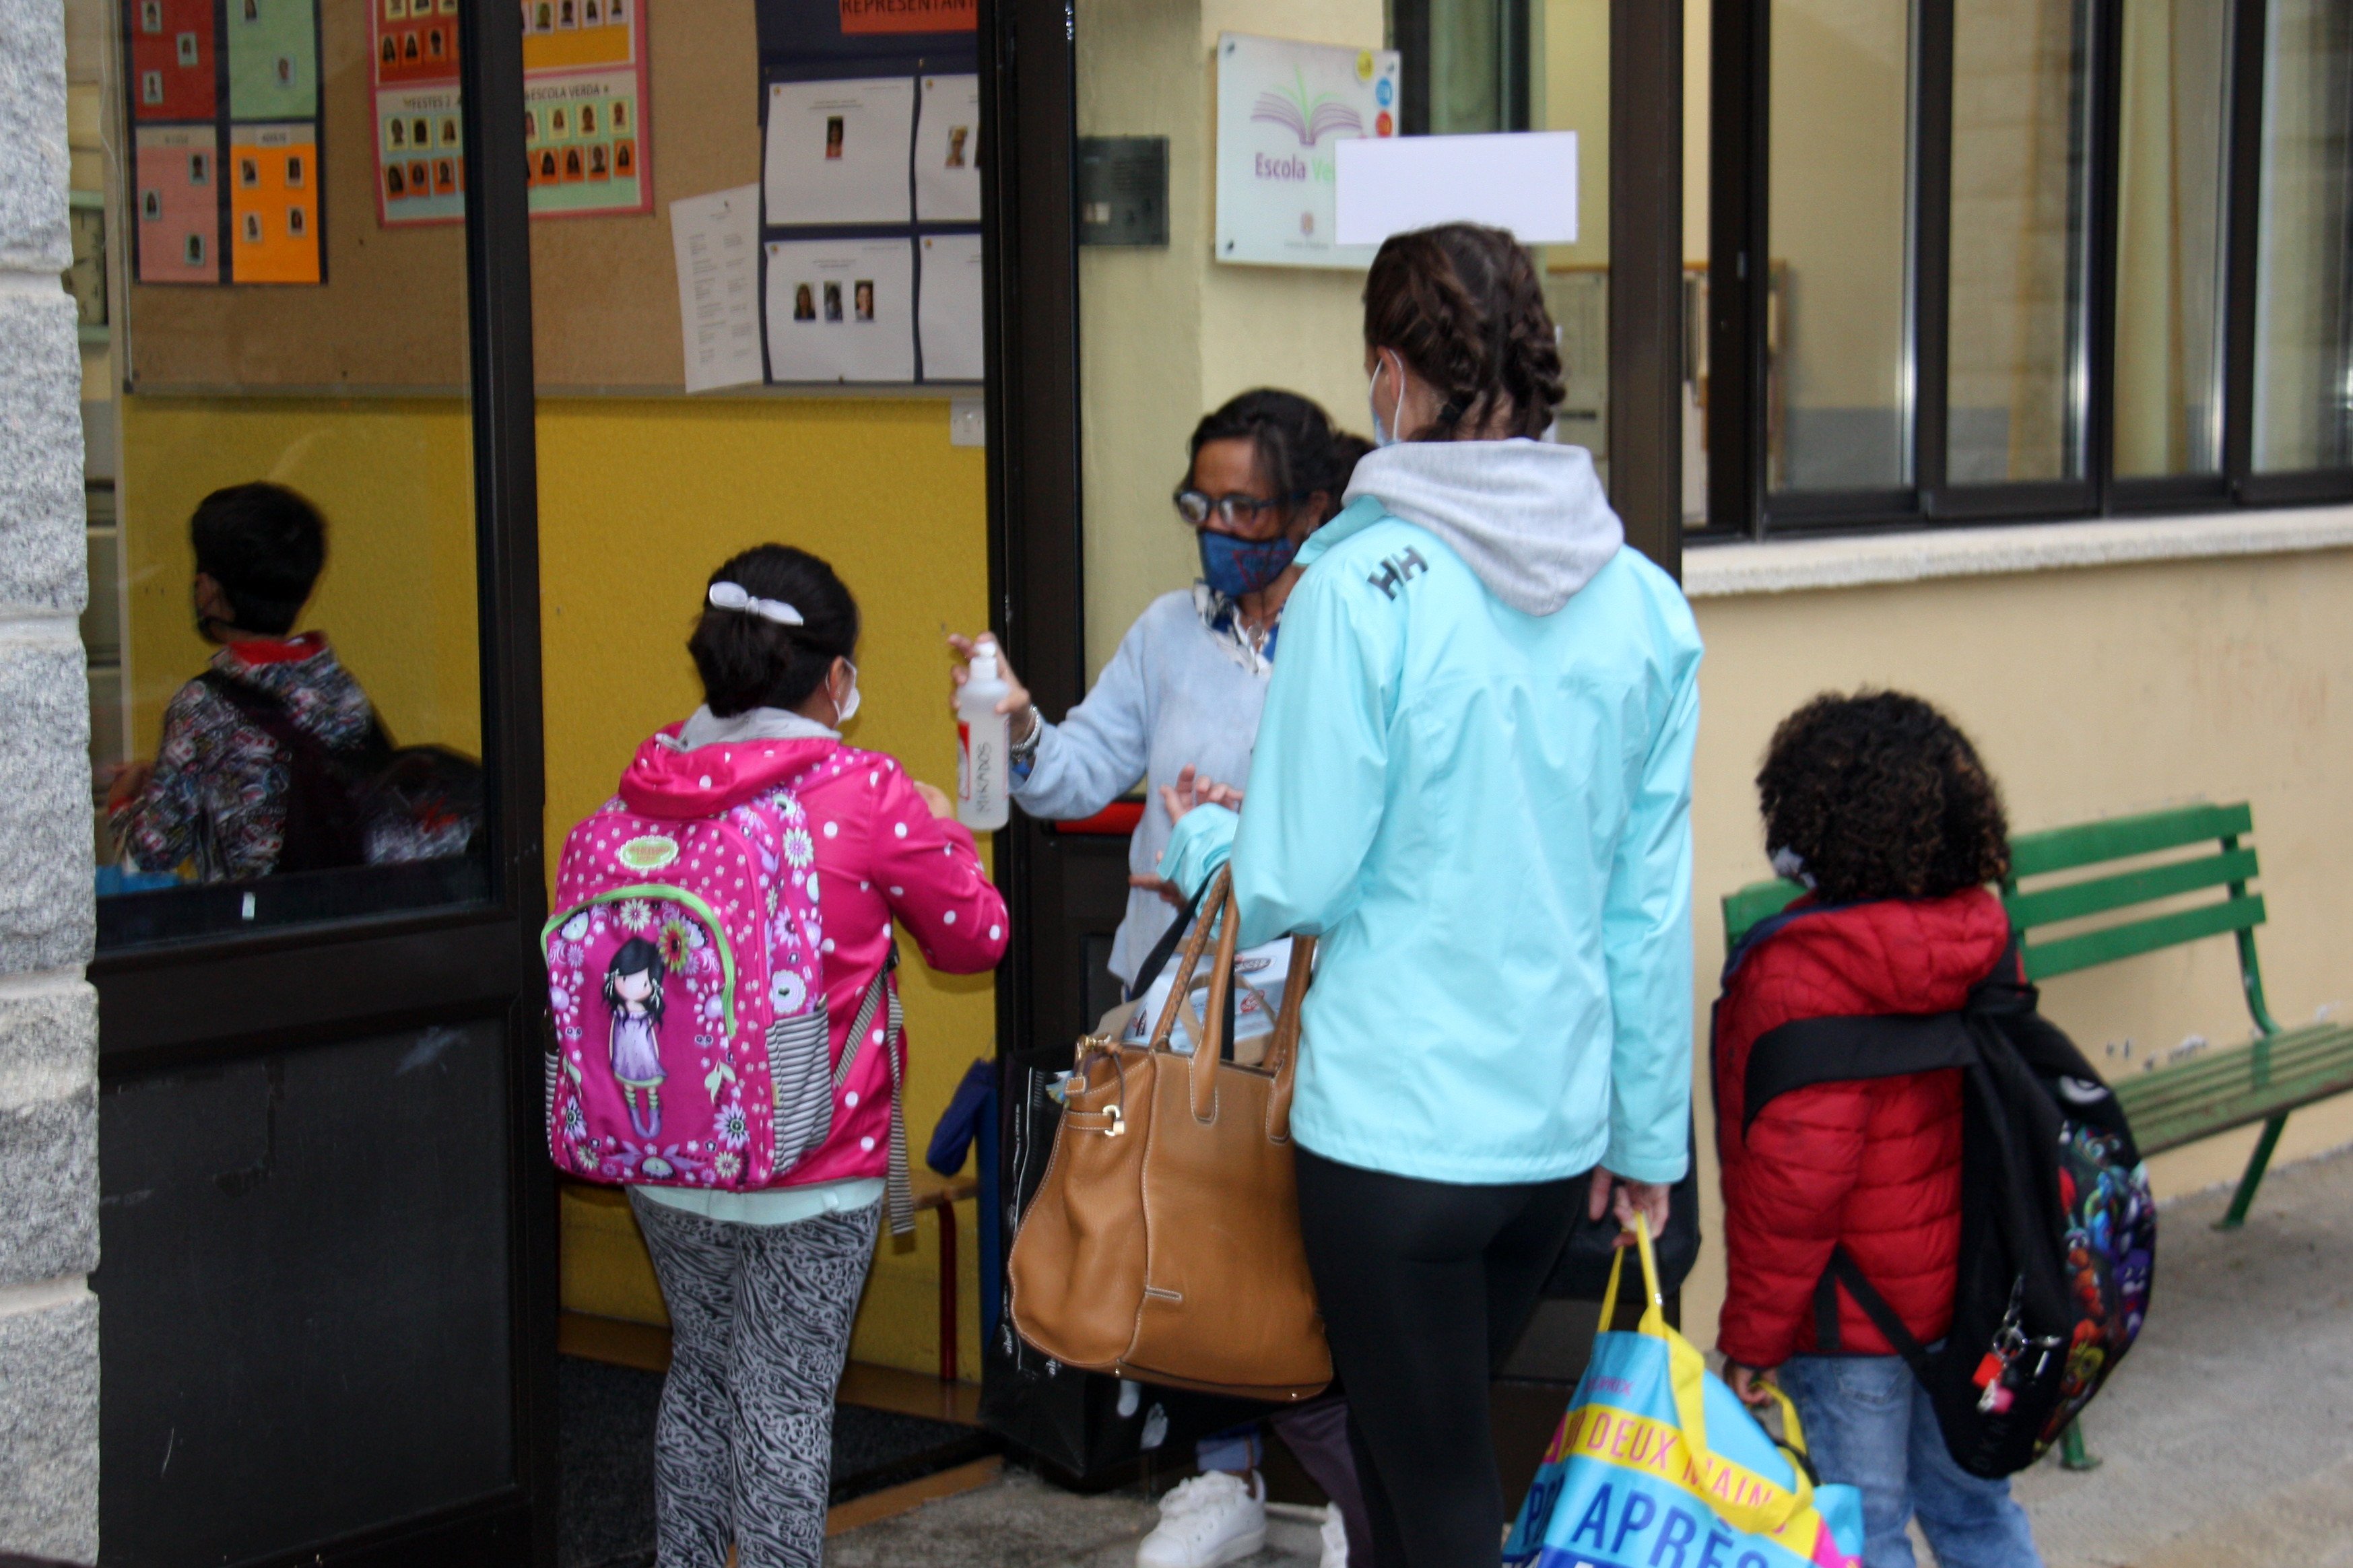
[1529, 517]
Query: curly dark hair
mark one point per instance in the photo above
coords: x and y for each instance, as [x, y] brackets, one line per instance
[1883, 797]
[1462, 305]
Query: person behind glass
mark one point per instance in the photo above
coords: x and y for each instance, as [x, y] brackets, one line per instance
[1184, 691]
[249, 779]
[1881, 807]
[1472, 781]
[762, 1287]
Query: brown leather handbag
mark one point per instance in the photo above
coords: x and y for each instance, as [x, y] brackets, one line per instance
[1162, 1244]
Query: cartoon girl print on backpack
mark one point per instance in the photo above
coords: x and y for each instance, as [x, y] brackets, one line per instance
[633, 992]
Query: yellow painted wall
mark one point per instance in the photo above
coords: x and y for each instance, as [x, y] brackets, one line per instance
[394, 480]
[2090, 693]
[639, 498]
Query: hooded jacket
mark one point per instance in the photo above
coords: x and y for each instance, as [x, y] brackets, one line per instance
[1872, 1165]
[218, 794]
[1472, 781]
[882, 856]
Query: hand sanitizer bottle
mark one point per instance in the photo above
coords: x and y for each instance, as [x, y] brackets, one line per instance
[984, 737]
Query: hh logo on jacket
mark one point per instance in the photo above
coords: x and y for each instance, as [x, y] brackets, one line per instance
[1398, 571]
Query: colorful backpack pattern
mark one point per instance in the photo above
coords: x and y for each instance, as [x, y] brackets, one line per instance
[686, 984]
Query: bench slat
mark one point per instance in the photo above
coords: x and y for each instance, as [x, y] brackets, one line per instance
[2067, 954]
[2221, 1115]
[2160, 1091]
[2088, 843]
[2099, 895]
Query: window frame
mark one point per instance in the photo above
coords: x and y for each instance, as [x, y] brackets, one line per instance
[1739, 203]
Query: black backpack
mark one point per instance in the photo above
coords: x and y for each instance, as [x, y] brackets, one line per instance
[2058, 1226]
[342, 802]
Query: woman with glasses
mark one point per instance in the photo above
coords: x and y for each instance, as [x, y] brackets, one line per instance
[1182, 697]
[1184, 688]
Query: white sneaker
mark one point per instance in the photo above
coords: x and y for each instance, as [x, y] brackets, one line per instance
[1335, 1539]
[1204, 1522]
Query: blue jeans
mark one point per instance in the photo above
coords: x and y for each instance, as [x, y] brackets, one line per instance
[1869, 1424]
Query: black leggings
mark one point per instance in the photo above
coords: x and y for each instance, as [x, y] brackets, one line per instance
[1425, 1286]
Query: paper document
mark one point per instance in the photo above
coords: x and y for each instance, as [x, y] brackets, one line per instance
[1524, 180]
[952, 306]
[838, 150]
[841, 310]
[717, 239]
[947, 150]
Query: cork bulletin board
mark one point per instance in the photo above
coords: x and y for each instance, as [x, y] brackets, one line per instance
[391, 316]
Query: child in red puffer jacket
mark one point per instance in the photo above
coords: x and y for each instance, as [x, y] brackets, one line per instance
[1880, 805]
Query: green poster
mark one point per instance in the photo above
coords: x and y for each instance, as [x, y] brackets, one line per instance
[273, 60]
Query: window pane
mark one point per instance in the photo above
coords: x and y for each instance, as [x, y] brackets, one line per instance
[2304, 322]
[1840, 330]
[284, 678]
[2017, 371]
[1570, 92]
[1467, 67]
[2168, 373]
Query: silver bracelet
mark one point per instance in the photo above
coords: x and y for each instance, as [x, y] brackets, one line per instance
[1022, 750]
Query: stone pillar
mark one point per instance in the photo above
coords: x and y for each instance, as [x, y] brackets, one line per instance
[48, 1015]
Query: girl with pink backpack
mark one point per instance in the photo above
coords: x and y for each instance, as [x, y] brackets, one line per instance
[720, 969]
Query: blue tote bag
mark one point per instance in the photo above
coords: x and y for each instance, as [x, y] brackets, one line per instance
[1656, 1465]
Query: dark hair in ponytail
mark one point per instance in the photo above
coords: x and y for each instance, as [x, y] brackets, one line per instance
[748, 661]
[1462, 305]
[1298, 450]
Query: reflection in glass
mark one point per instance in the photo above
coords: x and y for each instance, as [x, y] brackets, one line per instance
[285, 683]
[1469, 64]
[2018, 379]
[2170, 210]
[2303, 312]
[1840, 151]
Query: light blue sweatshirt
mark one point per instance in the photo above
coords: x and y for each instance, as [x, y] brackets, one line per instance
[1473, 780]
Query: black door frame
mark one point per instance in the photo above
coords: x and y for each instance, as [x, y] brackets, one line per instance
[218, 1001]
[1060, 886]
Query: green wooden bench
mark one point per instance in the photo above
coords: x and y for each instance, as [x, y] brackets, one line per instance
[2074, 879]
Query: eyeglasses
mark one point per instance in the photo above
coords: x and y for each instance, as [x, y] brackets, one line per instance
[1234, 510]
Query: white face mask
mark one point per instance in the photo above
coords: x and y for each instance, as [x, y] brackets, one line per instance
[1386, 435]
[847, 709]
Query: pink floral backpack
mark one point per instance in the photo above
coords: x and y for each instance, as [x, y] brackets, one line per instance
[686, 981]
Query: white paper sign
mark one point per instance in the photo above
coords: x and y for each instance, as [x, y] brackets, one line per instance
[1282, 111]
[717, 239]
[841, 310]
[951, 307]
[1524, 180]
[837, 151]
[947, 150]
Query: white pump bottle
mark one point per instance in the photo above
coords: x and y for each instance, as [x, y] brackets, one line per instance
[984, 740]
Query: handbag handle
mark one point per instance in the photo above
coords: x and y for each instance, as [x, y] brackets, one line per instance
[1282, 1052]
[1211, 900]
[1209, 1041]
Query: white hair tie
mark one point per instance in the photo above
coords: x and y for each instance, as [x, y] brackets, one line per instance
[735, 597]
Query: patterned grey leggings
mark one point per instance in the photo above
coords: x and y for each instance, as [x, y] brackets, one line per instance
[760, 1319]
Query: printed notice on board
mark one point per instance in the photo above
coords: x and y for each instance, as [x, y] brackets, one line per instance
[585, 85]
[950, 308]
[947, 150]
[717, 239]
[841, 310]
[836, 151]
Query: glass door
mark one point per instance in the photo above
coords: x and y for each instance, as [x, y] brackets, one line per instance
[314, 834]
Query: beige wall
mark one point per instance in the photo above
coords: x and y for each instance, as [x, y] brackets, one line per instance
[1167, 335]
[2092, 692]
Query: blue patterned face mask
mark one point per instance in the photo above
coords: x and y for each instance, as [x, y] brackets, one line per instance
[1238, 566]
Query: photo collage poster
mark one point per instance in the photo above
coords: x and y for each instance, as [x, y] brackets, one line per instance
[870, 193]
[225, 142]
[585, 80]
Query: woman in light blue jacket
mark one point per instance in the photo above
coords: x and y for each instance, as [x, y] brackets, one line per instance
[1473, 780]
